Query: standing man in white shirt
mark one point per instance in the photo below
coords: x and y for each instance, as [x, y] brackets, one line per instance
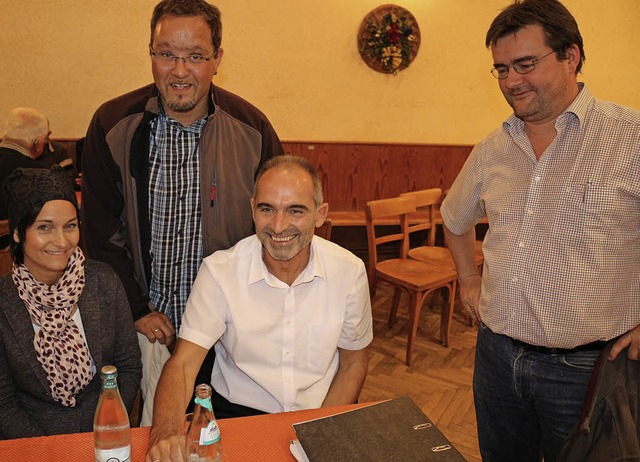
[288, 313]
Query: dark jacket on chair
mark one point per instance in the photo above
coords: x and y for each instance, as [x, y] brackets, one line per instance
[609, 429]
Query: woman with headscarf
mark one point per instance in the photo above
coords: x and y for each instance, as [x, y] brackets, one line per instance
[61, 317]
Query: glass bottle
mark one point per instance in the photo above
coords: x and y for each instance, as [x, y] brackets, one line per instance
[202, 441]
[111, 429]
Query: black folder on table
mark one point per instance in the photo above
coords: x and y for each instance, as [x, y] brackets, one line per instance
[394, 430]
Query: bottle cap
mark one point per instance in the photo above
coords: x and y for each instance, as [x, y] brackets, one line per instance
[109, 370]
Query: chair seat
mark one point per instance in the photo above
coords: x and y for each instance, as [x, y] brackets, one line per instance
[441, 256]
[413, 274]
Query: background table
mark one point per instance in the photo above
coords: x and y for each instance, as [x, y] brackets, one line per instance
[263, 438]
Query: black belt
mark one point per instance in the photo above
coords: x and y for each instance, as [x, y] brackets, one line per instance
[593, 346]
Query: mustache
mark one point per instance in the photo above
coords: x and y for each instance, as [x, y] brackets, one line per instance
[519, 89]
[286, 233]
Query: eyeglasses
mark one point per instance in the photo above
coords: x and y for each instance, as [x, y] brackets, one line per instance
[166, 57]
[521, 67]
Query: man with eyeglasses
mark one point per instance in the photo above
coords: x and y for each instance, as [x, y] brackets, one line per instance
[168, 171]
[559, 184]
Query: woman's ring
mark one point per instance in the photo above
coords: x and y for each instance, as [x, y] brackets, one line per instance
[155, 330]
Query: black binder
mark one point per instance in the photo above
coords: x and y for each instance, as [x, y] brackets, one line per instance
[395, 430]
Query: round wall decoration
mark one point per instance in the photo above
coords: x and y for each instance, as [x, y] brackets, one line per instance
[388, 39]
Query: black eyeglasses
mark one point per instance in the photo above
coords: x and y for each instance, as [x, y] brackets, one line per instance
[521, 67]
[167, 57]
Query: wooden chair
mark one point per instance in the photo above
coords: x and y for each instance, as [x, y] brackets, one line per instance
[324, 231]
[426, 201]
[417, 278]
[6, 262]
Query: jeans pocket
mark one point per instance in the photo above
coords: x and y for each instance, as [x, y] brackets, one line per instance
[583, 360]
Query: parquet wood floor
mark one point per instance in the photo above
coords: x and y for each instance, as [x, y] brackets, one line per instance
[439, 379]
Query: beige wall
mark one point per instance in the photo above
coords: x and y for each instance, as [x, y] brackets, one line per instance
[298, 62]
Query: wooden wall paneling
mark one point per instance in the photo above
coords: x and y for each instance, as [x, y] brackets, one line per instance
[354, 173]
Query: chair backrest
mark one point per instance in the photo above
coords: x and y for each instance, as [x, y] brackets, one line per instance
[324, 231]
[397, 207]
[5, 256]
[426, 201]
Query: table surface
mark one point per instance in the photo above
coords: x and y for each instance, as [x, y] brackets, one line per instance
[263, 438]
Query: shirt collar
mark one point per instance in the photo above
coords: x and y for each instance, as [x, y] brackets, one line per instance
[16, 147]
[577, 109]
[258, 270]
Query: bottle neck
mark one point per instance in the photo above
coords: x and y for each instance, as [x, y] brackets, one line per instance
[109, 384]
[205, 403]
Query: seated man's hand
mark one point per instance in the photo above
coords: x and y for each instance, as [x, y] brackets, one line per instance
[156, 326]
[164, 446]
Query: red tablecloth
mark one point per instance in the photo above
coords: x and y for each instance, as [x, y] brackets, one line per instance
[262, 438]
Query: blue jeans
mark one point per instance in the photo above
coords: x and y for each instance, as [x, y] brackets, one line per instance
[526, 402]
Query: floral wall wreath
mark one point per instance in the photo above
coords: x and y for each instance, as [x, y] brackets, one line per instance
[388, 39]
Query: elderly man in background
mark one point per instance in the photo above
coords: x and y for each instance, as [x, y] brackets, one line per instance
[24, 138]
[288, 312]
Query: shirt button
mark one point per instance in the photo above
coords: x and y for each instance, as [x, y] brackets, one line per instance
[521, 245]
[514, 279]
[529, 212]
[537, 179]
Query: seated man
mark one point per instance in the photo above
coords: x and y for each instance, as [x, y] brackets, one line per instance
[289, 314]
[23, 140]
[55, 153]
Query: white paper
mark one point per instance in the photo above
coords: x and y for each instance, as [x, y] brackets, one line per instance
[296, 449]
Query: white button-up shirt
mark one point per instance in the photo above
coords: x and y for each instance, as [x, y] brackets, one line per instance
[278, 344]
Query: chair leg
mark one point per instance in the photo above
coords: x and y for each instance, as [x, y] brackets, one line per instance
[447, 314]
[416, 299]
[394, 306]
[373, 280]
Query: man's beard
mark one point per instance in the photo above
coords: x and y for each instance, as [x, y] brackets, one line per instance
[181, 106]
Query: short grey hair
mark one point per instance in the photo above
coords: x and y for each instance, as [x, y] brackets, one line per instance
[26, 125]
[290, 161]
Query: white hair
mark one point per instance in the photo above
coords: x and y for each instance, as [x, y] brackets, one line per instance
[26, 125]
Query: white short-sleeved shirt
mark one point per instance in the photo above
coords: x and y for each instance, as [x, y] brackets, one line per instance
[562, 254]
[277, 348]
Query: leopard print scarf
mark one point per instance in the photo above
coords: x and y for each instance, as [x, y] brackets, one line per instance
[60, 347]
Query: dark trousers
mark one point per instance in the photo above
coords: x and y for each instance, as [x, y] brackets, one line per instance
[527, 402]
[222, 408]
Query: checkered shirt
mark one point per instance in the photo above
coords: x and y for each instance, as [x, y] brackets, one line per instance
[175, 213]
[562, 254]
